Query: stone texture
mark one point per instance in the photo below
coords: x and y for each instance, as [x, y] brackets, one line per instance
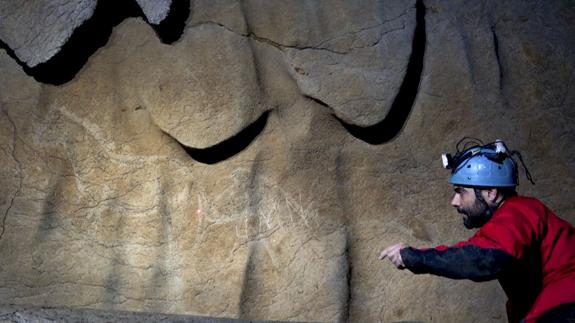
[37, 30]
[155, 10]
[200, 106]
[22, 314]
[102, 208]
[355, 63]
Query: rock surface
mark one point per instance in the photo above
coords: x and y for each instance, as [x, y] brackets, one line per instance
[37, 30]
[107, 200]
[25, 314]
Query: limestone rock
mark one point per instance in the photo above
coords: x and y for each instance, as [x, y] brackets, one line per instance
[155, 10]
[200, 106]
[37, 30]
[23, 314]
[105, 205]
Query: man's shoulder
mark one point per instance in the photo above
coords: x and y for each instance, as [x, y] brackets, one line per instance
[527, 207]
[518, 201]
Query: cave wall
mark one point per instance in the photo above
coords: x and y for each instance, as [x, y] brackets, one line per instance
[250, 159]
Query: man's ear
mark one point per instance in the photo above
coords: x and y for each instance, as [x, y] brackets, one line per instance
[491, 195]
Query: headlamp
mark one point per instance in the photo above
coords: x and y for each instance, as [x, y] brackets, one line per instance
[501, 152]
[452, 162]
[500, 147]
[447, 161]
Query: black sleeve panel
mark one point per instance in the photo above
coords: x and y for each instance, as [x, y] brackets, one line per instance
[467, 262]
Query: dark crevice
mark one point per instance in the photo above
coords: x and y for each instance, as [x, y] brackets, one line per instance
[348, 277]
[229, 147]
[94, 33]
[248, 287]
[391, 125]
[172, 27]
[316, 100]
[270, 42]
[496, 48]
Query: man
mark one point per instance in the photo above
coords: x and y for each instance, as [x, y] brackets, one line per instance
[520, 241]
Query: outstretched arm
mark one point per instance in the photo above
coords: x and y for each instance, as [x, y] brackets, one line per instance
[465, 262]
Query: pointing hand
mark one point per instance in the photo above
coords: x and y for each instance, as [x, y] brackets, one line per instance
[393, 254]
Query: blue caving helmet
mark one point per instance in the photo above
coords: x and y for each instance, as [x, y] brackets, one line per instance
[482, 166]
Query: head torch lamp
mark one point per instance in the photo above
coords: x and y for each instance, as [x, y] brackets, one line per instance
[496, 151]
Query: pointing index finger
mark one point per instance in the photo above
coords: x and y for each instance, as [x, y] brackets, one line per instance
[386, 252]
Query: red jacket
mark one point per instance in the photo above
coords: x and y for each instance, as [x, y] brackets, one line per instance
[524, 245]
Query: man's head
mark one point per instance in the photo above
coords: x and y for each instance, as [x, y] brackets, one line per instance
[483, 176]
[477, 205]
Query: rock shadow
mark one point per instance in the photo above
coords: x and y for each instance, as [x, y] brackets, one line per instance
[229, 147]
[49, 220]
[391, 125]
[249, 290]
[95, 32]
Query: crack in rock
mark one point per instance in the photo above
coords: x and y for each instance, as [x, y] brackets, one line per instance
[20, 176]
[497, 56]
[318, 47]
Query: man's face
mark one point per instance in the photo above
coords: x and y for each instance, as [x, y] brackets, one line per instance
[475, 211]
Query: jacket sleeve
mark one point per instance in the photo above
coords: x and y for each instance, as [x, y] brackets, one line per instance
[495, 247]
[464, 262]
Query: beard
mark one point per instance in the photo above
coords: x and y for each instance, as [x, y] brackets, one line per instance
[477, 214]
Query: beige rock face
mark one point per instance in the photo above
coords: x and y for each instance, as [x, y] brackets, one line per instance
[37, 30]
[104, 203]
